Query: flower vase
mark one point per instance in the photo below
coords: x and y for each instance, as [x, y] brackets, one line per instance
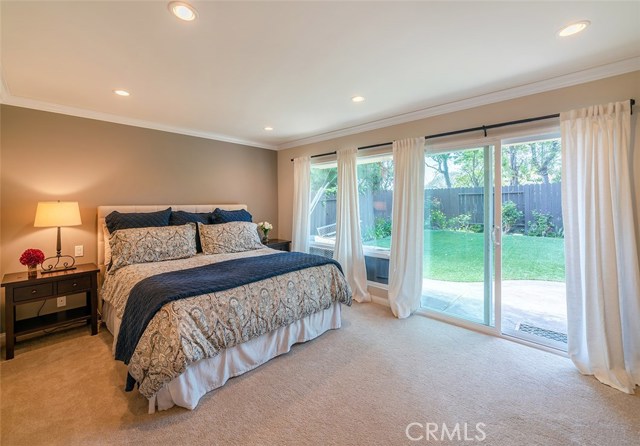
[265, 238]
[32, 271]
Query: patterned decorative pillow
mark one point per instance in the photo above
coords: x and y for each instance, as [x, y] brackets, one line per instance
[142, 245]
[184, 217]
[222, 216]
[236, 236]
[117, 220]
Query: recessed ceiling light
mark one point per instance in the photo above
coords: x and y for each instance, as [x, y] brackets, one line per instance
[574, 28]
[183, 11]
[121, 92]
[357, 98]
[268, 128]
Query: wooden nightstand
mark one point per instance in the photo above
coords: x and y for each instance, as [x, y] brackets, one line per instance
[21, 289]
[279, 244]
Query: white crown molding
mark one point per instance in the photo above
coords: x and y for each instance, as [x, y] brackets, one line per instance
[579, 77]
[8, 99]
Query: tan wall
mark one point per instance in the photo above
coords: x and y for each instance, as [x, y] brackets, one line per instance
[616, 88]
[49, 156]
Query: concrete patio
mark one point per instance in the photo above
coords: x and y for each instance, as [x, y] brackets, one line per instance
[533, 303]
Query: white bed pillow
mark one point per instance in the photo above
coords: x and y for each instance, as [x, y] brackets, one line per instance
[143, 245]
[237, 236]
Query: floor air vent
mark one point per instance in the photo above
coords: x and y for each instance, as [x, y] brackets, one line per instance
[543, 333]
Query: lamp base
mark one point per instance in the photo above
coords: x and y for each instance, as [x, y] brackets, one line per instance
[57, 264]
[57, 270]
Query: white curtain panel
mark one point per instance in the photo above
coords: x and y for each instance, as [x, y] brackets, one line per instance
[301, 191]
[602, 272]
[407, 227]
[348, 248]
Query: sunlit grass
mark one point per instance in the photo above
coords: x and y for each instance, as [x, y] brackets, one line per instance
[459, 256]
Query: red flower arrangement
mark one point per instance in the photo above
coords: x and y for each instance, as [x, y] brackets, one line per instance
[32, 257]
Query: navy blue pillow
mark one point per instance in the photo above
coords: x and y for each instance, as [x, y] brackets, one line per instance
[117, 220]
[183, 217]
[222, 216]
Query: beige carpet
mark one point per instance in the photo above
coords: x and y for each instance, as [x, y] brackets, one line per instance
[361, 385]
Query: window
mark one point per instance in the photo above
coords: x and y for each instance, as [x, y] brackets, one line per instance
[375, 190]
[322, 208]
[375, 194]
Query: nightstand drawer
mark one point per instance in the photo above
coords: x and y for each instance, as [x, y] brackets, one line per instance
[74, 285]
[31, 292]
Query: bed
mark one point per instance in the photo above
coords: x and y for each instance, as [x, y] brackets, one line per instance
[193, 345]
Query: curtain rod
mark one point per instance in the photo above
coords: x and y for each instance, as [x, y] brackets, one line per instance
[471, 129]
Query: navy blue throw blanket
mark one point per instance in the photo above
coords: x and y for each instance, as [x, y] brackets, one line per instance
[150, 294]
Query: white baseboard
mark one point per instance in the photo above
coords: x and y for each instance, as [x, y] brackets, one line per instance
[380, 300]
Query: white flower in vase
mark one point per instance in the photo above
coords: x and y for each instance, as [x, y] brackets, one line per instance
[265, 227]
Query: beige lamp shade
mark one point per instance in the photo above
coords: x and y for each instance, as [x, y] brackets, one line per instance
[57, 213]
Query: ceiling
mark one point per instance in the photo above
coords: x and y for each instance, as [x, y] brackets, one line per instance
[241, 66]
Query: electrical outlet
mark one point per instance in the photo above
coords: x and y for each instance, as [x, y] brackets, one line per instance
[61, 301]
[79, 250]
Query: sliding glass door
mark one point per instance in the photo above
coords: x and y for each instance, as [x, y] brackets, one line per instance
[532, 244]
[458, 246]
[491, 258]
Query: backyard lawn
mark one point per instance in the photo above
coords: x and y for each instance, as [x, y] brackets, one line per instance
[459, 256]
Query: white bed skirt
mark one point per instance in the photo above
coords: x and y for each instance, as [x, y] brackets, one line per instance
[208, 374]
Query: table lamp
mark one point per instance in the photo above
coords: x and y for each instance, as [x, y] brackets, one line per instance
[57, 214]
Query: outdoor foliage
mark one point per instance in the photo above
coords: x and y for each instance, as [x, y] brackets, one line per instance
[434, 218]
[373, 177]
[510, 216]
[381, 229]
[527, 163]
[542, 226]
[534, 162]
[460, 222]
[470, 167]
[440, 163]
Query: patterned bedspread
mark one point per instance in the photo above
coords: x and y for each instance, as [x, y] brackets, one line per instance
[199, 327]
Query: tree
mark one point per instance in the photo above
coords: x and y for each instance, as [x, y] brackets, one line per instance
[442, 166]
[471, 167]
[512, 165]
[544, 157]
[531, 163]
[375, 176]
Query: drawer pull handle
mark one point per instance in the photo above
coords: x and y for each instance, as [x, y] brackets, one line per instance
[34, 291]
[75, 284]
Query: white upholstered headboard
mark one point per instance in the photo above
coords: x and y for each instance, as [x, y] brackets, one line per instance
[103, 211]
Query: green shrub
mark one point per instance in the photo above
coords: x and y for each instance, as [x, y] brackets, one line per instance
[380, 229]
[460, 222]
[437, 219]
[542, 225]
[434, 217]
[510, 216]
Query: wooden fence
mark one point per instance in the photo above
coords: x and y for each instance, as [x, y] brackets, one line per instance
[543, 198]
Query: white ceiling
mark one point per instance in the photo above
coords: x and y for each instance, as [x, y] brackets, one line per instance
[295, 65]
